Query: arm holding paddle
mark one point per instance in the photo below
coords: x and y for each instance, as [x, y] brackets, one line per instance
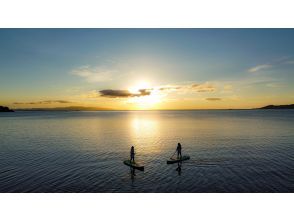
[173, 154]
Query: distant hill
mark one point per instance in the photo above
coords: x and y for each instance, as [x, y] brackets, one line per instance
[278, 107]
[70, 108]
[5, 109]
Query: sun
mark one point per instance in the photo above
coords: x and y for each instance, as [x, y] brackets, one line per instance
[139, 85]
[146, 101]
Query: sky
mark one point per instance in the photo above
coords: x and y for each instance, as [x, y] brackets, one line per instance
[138, 69]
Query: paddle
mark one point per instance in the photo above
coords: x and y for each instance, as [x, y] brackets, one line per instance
[173, 155]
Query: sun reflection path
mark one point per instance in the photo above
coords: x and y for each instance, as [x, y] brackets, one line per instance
[145, 134]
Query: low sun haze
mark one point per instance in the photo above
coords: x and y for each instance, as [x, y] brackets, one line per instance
[146, 69]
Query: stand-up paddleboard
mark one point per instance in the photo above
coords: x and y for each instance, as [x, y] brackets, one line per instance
[177, 160]
[134, 165]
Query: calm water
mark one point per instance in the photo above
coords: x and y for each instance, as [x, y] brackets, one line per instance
[231, 151]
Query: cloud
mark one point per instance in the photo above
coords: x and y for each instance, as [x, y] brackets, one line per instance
[163, 89]
[144, 92]
[285, 60]
[205, 87]
[110, 93]
[213, 99]
[168, 88]
[196, 87]
[93, 75]
[289, 62]
[43, 102]
[259, 67]
[275, 85]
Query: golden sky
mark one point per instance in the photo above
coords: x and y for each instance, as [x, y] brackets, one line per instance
[144, 69]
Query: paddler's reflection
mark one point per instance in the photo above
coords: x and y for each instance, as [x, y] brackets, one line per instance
[133, 174]
[179, 168]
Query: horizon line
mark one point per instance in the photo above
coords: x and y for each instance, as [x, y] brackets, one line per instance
[87, 108]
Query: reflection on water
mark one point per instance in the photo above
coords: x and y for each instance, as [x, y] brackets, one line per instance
[132, 174]
[179, 168]
[145, 133]
[231, 151]
[143, 126]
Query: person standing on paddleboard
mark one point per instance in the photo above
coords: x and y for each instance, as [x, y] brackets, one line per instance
[179, 151]
[132, 154]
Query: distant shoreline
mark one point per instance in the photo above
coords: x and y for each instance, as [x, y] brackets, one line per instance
[80, 108]
[291, 106]
[5, 109]
[49, 110]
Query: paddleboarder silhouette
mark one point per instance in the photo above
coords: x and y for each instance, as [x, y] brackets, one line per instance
[179, 151]
[132, 154]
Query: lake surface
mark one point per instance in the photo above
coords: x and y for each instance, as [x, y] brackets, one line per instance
[231, 151]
